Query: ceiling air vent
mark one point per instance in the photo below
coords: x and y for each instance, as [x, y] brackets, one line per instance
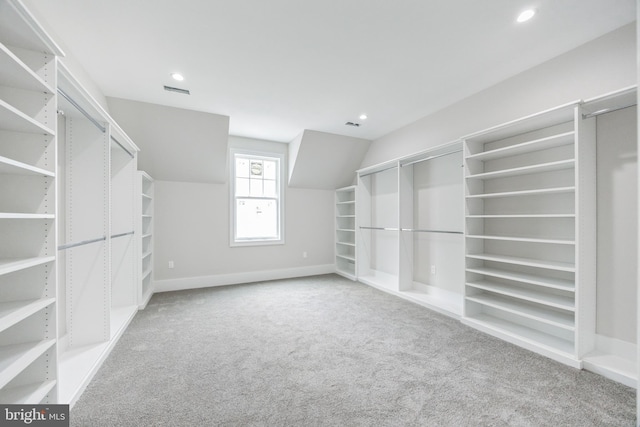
[352, 124]
[177, 89]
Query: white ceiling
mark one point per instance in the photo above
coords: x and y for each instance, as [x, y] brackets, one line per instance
[277, 67]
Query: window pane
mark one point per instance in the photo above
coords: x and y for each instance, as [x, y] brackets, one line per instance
[242, 167]
[270, 188]
[242, 186]
[256, 188]
[256, 219]
[270, 169]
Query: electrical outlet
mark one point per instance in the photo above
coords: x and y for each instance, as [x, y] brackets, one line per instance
[171, 265]
[433, 269]
[304, 254]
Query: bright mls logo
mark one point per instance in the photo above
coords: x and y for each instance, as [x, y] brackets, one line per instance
[35, 415]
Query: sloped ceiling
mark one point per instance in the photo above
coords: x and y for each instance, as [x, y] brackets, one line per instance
[176, 144]
[323, 160]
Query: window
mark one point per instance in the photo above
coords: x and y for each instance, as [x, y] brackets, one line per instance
[256, 198]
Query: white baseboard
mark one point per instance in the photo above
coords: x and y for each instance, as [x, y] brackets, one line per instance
[183, 283]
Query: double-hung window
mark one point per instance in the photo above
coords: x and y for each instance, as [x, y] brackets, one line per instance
[256, 198]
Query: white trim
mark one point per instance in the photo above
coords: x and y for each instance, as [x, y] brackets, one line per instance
[281, 196]
[614, 359]
[183, 283]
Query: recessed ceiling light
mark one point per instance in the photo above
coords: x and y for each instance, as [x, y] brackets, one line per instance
[526, 15]
[177, 76]
[363, 117]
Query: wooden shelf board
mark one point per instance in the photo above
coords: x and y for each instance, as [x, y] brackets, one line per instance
[345, 216]
[540, 191]
[346, 273]
[11, 215]
[13, 167]
[548, 282]
[13, 119]
[15, 358]
[146, 254]
[144, 236]
[346, 202]
[525, 294]
[553, 318]
[147, 273]
[31, 394]
[349, 230]
[527, 262]
[15, 73]
[15, 311]
[11, 265]
[526, 147]
[347, 257]
[346, 244]
[145, 196]
[522, 239]
[525, 170]
[532, 337]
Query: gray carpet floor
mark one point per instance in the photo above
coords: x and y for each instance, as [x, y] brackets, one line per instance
[325, 351]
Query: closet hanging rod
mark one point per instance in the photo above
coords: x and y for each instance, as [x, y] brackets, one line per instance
[608, 110]
[84, 242]
[122, 146]
[115, 236]
[430, 158]
[379, 228]
[377, 171]
[417, 230]
[82, 110]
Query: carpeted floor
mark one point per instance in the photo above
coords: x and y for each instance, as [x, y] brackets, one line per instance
[325, 351]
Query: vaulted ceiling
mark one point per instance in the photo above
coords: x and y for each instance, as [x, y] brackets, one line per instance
[278, 67]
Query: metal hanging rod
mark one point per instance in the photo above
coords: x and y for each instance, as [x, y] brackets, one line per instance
[379, 228]
[84, 242]
[416, 230]
[82, 110]
[431, 158]
[607, 110]
[115, 236]
[122, 146]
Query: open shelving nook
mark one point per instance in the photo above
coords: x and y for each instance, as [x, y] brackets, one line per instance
[144, 230]
[28, 173]
[530, 232]
[98, 251]
[409, 221]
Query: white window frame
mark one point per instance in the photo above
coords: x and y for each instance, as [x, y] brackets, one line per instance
[280, 187]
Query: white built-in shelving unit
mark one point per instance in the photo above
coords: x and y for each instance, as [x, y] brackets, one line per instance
[409, 221]
[345, 249]
[98, 248]
[530, 232]
[28, 173]
[145, 237]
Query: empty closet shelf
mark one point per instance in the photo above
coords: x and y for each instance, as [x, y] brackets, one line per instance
[10, 215]
[522, 239]
[554, 318]
[527, 262]
[16, 264]
[548, 282]
[17, 74]
[14, 311]
[526, 147]
[525, 170]
[13, 167]
[526, 294]
[27, 394]
[15, 358]
[521, 193]
[12, 119]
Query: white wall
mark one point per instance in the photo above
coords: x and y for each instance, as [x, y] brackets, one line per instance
[192, 229]
[617, 192]
[603, 65]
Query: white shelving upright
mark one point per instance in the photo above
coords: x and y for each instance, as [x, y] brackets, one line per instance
[345, 248]
[145, 237]
[28, 170]
[530, 232]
